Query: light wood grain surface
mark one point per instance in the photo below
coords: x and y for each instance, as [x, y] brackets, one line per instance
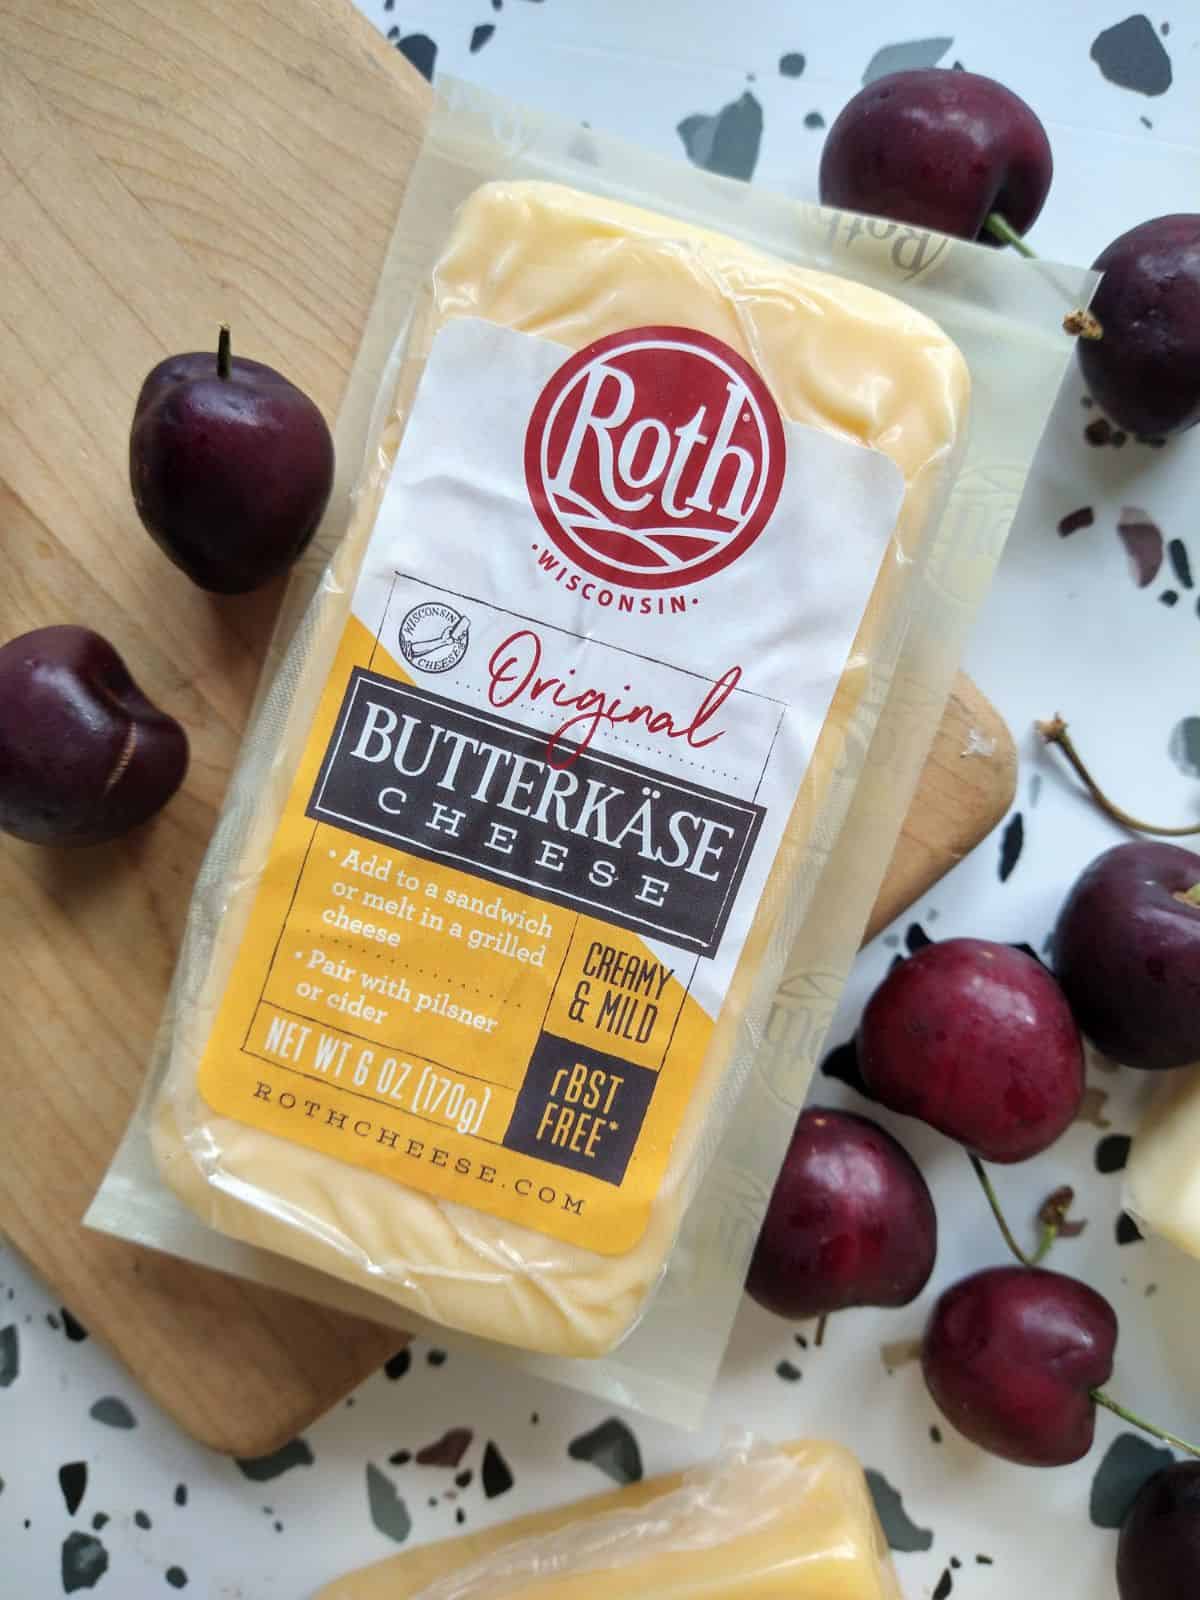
[164, 168]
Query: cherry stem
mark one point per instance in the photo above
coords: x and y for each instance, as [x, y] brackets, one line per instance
[1102, 1399]
[223, 351]
[1000, 228]
[1055, 732]
[1049, 1230]
[1080, 323]
[819, 1336]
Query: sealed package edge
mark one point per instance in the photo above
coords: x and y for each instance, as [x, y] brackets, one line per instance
[615, 692]
[793, 1520]
[629, 548]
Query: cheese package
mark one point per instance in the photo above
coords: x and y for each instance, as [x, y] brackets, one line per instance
[794, 1521]
[477, 1008]
[566, 802]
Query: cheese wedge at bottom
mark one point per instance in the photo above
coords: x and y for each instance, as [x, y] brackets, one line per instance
[790, 1522]
[1162, 1178]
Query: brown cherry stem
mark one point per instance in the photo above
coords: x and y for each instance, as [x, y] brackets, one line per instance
[1080, 323]
[1046, 1237]
[223, 351]
[819, 1336]
[1083, 324]
[1054, 731]
[1000, 228]
[1102, 1399]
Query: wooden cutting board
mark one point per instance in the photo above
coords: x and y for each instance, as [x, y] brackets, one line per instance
[163, 169]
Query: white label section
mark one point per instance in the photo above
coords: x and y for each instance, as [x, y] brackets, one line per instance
[722, 684]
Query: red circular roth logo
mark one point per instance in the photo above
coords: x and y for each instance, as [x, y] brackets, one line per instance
[654, 457]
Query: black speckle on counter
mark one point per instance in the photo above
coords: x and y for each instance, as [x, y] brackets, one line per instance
[113, 1413]
[176, 1577]
[495, 1474]
[984, 1561]
[1131, 55]
[399, 1364]
[935, 1433]
[1099, 431]
[100, 1520]
[142, 1519]
[901, 1531]
[481, 35]
[1168, 598]
[1112, 1152]
[400, 1458]
[1084, 517]
[436, 1358]
[842, 1064]
[945, 1586]
[463, 1478]
[728, 141]
[1012, 842]
[1127, 1230]
[903, 57]
[447, 1451]
[1128, 1462]
[72, 1327]
[72, 1480]
[792, 64]
[1183, 746]
[955, 1563]
[388, 1511]
[52, 1321]
[10, 1355]
[534, 1419]
[788, 1371]
[460, 1516]
[1180, 562]
[84, 1562]
[417, 48]
[814, 119]
[613, 1448]
[261, 1469]
[181, 1494]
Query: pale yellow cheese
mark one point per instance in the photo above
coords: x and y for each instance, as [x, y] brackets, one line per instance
[568, 267]
[797, 1525]
[1162, 1178]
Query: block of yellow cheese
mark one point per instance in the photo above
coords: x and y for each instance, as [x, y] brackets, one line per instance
[855, 365]
[1162, 1178]
[792, 1522]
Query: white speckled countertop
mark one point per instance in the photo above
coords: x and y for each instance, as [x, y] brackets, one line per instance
[98, 1490]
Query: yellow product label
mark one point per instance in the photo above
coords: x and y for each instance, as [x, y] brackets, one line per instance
[470, 1040]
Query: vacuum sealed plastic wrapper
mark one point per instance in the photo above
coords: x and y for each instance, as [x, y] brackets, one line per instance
[794, 1521]
[602, 721]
